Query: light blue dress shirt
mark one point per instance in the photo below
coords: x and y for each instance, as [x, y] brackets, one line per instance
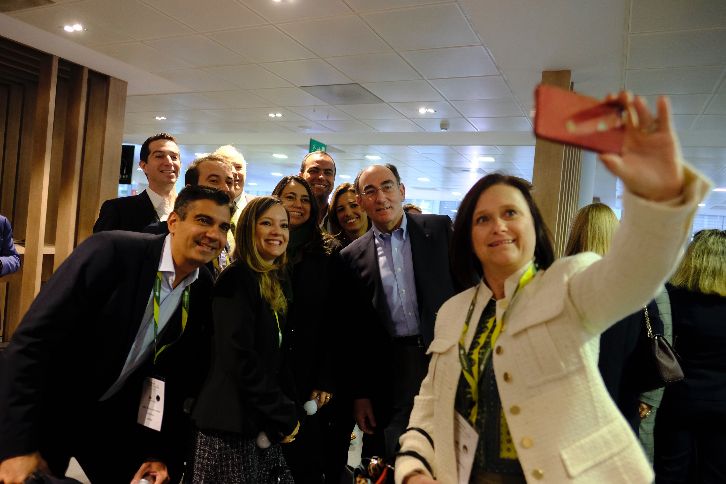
[399, 285]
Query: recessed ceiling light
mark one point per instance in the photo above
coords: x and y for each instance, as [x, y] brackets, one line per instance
[423, 179]
[373, 157]
[276, 173]
[279, 155]
[720, 189]
[200, 155]
[454, 211]
[275, 115]
[456, 193]
[425, 110]
[252, 184]
[345, 177]
[160, 118]
[701, 204]
[486, 158]
[73, 28]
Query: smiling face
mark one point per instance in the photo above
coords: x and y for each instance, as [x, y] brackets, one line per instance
[216, 174]
[319, 172]
[239, 178]
[272, 233]
[381, 197]
[296, 200]
[162, 165]
[200, 236]
[502, 231]
[351, 216]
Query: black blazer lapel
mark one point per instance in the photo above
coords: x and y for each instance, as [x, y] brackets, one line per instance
[367, 262]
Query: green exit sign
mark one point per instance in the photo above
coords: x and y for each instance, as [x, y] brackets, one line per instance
[316, 145]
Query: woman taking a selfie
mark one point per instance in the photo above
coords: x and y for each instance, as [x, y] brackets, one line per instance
[513, 378]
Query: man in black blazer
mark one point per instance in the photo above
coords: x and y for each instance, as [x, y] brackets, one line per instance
[401, 267]
[93, 340]
[160, 160]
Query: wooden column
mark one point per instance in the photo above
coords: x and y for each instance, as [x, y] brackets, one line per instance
[39, 175]
[71, 165]
[102, 149]
[556, 176]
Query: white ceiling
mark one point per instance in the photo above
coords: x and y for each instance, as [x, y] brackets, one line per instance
[216, 68]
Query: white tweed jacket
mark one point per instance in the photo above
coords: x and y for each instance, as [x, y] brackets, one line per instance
[564, 425]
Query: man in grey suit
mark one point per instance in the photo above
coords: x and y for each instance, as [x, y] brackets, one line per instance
[400, 267]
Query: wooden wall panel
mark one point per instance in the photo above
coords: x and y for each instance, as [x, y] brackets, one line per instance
[38, 190]
[92, 155]
[113, 138]
[11, 151]
[25, 154]
[56, 161]
[71, 165]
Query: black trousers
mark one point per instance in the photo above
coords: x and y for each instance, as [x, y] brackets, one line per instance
[408, 367]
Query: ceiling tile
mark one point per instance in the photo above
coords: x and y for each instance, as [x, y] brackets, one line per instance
[673, 81]
[259, 115]
[236, 99]
[248, 76]
[350, 125]
[197, 50]
[471, 152]
[142, 56]
[136, 19]
[320, 113]
[262, 44]
[677, 49]
[711, 122]
[305, 127]
[501, 124]
[657, 15]
[410, 110]
[288, 96]
[52, 19]
[297, 10]
[393, 125]
[373, 5]
[226, 14]
[346, 35]
[452, 62]
[152, 103]
[374, 67]
[427, 27]
[455, 125]
[470, 88]
[684, 122]
[310, 72]
[404, 91]
[683, 103]
[717, 105]
[488, 107]
[371, 111]
[197, 80]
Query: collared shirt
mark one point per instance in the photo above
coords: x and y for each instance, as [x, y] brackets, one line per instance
[162, 205]
[169, 300]
[397, 277]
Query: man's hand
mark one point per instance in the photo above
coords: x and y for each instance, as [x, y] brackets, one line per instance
[153, 471]
[16, 469]
[363, 412]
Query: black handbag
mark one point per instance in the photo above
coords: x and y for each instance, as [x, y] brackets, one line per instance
[661, 366]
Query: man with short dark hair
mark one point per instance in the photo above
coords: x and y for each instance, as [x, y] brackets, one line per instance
[106, 362]
[160, 160]
[318, 169]
[401, 267]
[211, 171]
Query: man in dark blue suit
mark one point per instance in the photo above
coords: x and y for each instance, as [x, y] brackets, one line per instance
[160, 160]
[125, 313]
[401, 267]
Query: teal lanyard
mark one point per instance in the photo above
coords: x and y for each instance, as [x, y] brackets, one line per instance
[185, 315]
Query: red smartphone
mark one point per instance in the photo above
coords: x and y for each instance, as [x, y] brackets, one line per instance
[573, 119]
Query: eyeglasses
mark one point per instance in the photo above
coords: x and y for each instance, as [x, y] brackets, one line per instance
[385, 188]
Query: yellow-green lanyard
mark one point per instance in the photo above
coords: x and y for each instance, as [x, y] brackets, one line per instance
[279, 330]
[472, 371]
[185, 314]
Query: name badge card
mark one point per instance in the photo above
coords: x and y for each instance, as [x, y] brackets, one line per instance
[151, 407]
[466, 439]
